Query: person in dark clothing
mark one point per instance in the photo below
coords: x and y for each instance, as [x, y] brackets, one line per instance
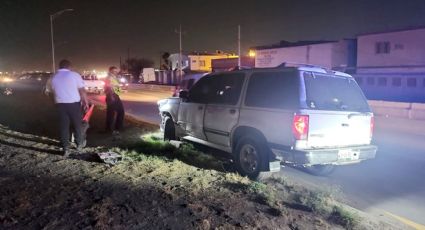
[69, 93]
[114, 106]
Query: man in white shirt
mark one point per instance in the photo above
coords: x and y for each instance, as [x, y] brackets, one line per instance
[69, 93]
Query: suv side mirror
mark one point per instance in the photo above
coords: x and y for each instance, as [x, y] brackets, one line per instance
[184, 95]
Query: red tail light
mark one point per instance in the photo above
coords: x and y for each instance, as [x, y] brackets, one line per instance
[372, 126]
[300, 127]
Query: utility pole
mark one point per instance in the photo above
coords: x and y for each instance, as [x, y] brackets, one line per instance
[53, 45]
[128, 53]
[52, 17]
[239, 46]
[180, 52]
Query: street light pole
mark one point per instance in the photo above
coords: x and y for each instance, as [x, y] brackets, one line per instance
[53, 44]
[180, 53]
[52, 17]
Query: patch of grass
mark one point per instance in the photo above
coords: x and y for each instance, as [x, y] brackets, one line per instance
[347, 219]
[316, 201]
[152, 144]
[266, 194]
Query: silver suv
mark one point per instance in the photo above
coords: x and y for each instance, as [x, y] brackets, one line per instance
[307, 116]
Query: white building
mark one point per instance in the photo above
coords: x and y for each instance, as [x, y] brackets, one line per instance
[174, 61]
[389, 52]
[327, 54]
[203, 61]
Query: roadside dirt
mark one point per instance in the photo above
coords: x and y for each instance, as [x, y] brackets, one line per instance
[40, 189]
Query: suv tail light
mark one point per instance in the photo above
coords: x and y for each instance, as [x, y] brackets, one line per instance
[300, 127]
[372, 126]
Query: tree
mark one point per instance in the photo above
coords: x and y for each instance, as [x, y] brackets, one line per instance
[166, 64]
[134, 66]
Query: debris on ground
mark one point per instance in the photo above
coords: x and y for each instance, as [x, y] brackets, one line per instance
[110, 158]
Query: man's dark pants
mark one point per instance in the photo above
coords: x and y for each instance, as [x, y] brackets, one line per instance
[114, 105]
[70, 113]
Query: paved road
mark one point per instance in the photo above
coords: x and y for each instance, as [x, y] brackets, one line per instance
[393, 183]
[140, 103]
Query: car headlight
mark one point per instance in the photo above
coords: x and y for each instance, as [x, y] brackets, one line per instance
[7, 79]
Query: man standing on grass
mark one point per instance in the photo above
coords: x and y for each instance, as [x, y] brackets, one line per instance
[69, 93]
[114, 105]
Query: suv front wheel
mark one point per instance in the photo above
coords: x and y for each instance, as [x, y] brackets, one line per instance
[169, 129]
[249, 157]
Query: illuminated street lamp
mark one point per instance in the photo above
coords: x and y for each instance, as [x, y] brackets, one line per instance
[251, 53]
[52, 17]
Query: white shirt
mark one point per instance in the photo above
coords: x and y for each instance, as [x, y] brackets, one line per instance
[65, 84]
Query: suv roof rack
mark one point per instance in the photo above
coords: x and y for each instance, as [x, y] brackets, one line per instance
[327, 70]
[295, 64]
[236, 68]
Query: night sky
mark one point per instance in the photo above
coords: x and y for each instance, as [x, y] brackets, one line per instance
[97, 33]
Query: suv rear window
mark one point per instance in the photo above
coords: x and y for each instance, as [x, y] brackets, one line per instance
[277, 90]
[329, 92]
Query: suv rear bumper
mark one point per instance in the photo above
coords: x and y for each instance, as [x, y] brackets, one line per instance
[326, 156]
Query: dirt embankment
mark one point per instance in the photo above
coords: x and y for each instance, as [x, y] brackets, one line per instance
[156, 186]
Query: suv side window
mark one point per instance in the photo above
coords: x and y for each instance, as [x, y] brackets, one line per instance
[227, 88]
[277, 90]
[202, 90]
[190, 83]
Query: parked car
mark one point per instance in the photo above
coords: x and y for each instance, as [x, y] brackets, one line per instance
[187, 83]
[92, 84]
[123, 82]
[303, 115]
[31, 81]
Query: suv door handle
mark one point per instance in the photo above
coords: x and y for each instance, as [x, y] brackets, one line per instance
[232, 111]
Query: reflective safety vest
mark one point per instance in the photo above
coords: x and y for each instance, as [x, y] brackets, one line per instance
[112, 84]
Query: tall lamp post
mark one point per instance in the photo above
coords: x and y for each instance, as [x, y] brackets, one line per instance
[52, 17]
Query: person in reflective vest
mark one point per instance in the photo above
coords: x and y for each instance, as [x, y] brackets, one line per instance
[114, 106]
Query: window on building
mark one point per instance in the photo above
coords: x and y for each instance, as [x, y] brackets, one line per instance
[382, 48]
[371, 81]
[396, 82]
[382, 81]
[398, 46]
[359, 80]
[193, 61]
[411, 82]
[202, 63]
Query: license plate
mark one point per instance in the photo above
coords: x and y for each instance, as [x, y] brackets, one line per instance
[348, 155]
[274, 166]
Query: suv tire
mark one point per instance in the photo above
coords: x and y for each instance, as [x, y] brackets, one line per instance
[250, 157]
[169, 129]
[320, 170]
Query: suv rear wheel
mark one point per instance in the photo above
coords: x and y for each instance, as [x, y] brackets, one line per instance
[249, 157]
[169, 129]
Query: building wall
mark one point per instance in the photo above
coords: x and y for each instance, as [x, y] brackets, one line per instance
[204, 62]
[341, 54]
[330, 55]
[406, 48]
[224, 64]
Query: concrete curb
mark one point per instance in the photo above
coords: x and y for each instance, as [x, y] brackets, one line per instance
[415, 111]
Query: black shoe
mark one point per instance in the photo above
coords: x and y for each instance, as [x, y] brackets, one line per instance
[66, 152]
[82, 145]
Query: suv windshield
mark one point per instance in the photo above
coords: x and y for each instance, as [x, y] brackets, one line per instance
[330, 92]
